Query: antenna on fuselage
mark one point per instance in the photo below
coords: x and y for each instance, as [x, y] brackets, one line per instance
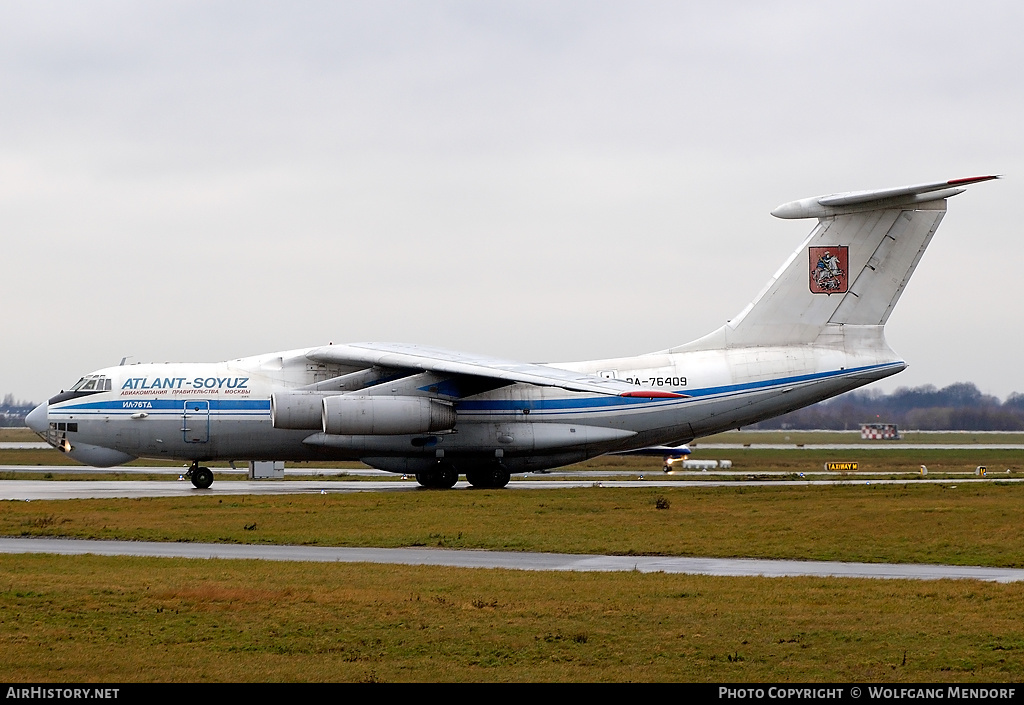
[124, 360]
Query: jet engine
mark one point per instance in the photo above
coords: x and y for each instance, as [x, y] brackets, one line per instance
[385, 415]
[297, 410]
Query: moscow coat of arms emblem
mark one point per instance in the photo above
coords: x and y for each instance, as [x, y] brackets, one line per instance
[829, 269]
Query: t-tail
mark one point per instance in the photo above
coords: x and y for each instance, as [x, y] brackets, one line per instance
[816, 330]
[848, 274]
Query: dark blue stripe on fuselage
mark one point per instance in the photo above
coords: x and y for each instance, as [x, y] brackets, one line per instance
[169, 404]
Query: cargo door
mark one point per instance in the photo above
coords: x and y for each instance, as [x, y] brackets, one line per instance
[195, 421]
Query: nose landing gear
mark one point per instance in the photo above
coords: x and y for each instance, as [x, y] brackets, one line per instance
[201, 477]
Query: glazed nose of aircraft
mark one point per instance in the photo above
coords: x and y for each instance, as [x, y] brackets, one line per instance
[37, 419]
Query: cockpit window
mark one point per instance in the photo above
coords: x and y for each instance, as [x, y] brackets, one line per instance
[92, 383]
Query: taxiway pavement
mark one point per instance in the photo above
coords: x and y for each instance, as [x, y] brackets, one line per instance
[511, 560]
[29, 490]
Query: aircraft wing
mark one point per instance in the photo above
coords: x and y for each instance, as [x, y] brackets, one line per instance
[428, 359]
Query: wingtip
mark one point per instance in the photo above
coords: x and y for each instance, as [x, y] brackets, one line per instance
[973, 179]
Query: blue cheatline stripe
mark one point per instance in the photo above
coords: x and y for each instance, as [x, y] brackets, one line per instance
[177, 405]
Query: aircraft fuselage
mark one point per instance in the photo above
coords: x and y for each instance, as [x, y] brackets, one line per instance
[222, 411]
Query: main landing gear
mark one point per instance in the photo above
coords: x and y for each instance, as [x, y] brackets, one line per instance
[440, 478]
[201, 477]
[445, 476]
[493, 478]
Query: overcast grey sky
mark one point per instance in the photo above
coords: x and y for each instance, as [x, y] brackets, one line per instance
[540, 180]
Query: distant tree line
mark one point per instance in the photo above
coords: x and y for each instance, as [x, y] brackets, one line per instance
[13, 412]
[958, 407]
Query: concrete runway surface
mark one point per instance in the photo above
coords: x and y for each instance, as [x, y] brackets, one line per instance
[29, 490]
[511, 560]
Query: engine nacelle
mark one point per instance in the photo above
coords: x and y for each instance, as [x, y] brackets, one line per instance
[297, 410]
[384, 415]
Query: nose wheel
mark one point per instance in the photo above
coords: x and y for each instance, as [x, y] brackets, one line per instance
[201, 477]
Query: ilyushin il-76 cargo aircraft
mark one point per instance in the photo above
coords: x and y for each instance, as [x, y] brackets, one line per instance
[815, 331]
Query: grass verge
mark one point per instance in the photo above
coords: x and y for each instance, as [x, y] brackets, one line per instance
[88, 618]
[975, 524]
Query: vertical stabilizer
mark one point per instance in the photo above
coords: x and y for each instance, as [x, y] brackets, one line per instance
[851, 269]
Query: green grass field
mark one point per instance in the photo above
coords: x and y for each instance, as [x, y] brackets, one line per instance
[970, 525]
[124, 619]
[89, 618]
[80, 619]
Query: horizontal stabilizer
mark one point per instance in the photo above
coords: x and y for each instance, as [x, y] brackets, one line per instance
[852, 202]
